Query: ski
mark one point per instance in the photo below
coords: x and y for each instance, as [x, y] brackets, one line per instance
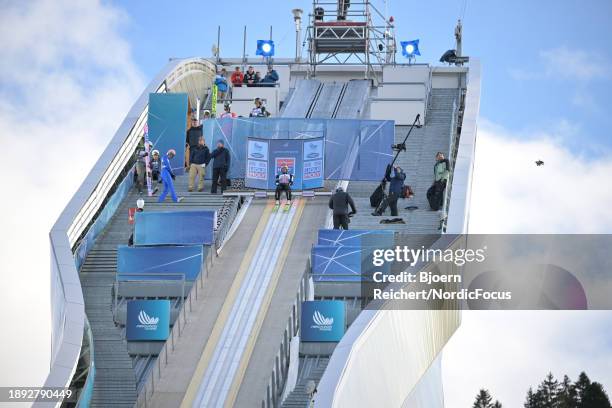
[287, 207]
[150, 191]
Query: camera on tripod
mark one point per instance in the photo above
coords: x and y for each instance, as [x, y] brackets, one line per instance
[400, 147]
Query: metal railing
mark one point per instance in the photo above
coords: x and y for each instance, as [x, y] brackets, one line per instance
[453, 145]
[148, 389]
[278, 377]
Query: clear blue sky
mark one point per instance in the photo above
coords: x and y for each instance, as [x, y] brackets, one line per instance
[523, 46]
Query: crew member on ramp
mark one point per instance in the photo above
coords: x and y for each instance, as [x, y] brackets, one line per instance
[284, 181]
[339, 203]
[167, 176]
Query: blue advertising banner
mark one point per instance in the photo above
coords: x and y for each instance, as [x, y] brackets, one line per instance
[314, 161]
[152, 260]
[354, 149]
[343, 264]
[358, 238]
[286, 152]
[337, 264]
[148, 320]
[323, 321]
[167, 121]
[257, 163]
[175, 228]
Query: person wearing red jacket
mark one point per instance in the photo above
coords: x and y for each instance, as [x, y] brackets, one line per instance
[237, 77]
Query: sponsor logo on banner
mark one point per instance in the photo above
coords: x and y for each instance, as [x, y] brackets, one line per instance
[257, 169]
[322, 323]
[313, 169]
[258, 150]
[285, 161]
[313, 150]
[323, 320]
[148, 320]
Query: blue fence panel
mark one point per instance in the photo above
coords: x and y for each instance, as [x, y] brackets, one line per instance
[340, 263]
[188, 260]
[167, 121]
[174, 228]
[358, 238]
[354, 149]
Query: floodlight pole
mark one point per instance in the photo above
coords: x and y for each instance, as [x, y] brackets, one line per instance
[218, 43]
[244, 38]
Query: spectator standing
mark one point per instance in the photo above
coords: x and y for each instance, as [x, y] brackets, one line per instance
[194, 133]
[167, 176]
[141, 167]
[237, 77]
[441, 168]
[250, 77]
[155, 166]
[259, 111]
[221, 82]
[200, 156]
[396, 187]
[284, 181]
[221, 165]
[271, 77]
[339, 203]
[227, 111]
[435, 193]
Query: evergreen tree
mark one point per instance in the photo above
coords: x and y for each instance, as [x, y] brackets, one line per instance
[549, 389]
[497, 404]
[534, 399]
[581, 387]
[594, 397]
[483, 399]
[567, 395]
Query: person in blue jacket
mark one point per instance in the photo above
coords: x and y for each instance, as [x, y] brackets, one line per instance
[271, 77]
[167, 177]
[221, 82]
[395, 191]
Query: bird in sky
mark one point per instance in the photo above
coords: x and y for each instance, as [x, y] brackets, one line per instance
[539, 163]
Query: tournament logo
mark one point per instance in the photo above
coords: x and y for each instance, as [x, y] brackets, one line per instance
[322, 323]
[147, 322]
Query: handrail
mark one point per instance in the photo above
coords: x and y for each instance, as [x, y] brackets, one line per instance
[75, 222]
[277, 385]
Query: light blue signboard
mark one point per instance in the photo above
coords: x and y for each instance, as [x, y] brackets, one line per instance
[148, 320]
[162, 260]
[313, 164]
[323, 321]
[167, 122]
[257, 164]
[175, 227]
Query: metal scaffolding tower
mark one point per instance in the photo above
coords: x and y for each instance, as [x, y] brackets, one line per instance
[342, 32]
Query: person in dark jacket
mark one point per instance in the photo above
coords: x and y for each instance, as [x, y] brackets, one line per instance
[221, 165]
[194, 133]
[271, 77]
[284, 181]
[339, 203]
[156, 166]
[250, 77]
[396, 186]
[198, 159]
